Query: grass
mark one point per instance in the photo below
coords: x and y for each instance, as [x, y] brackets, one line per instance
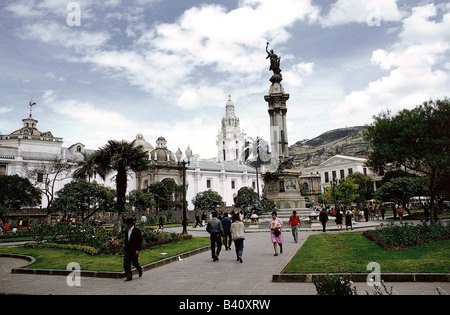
[48, 258]
[352, 252]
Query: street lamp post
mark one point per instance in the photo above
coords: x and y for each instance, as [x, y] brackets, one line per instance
[183, 162]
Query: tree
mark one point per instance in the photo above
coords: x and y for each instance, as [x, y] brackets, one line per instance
[17, 192]
[207, 200]
[259, 149]
[417, 140]
[85, 199]
[160, 194]
[246, 197]
[401, 190]
[347, 191]
[88, 168]
[122, 158]
[365, 189]
[141, 200]
[45, 176]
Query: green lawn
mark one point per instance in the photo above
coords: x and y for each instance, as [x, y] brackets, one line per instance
[352, 252]
[48, 258]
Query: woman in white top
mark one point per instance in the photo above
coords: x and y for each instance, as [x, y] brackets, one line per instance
[237, 234]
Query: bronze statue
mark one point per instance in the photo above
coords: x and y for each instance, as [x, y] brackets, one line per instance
[274, 65]
[274, 60]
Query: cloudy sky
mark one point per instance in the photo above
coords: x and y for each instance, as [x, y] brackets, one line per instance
[110, 69]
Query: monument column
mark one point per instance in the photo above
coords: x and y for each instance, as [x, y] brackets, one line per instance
[282, 185]
[278, 128]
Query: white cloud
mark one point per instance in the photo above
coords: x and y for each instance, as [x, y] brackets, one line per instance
[295, 75]
[415, 74]
[84, 122]
[54, 33]
[362, 11]
[4, 110]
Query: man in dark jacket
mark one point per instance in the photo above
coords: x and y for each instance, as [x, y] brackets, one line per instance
[323, 218]
[226, 224]
[215, 229]
[133, 245]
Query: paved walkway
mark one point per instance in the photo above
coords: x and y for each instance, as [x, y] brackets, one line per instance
[199, 275]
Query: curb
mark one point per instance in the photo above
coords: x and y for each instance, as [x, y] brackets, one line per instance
[97, 274]
[361, 277]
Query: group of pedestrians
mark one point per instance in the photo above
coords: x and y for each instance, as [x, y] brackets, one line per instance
[231, 230]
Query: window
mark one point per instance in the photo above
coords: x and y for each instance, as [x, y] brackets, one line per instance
[342, 174]
[327, 177]
[254, 185]
[233, 184]
[208, 183]
[334, 176]
[350, 171]
[365, 171]
[40, 177]
[2, 170]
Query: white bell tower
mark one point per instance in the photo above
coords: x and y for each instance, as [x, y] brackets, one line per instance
[231, 139]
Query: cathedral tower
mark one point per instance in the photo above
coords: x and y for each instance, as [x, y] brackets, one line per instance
[230, 140]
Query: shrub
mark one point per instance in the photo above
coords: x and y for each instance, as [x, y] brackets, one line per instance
[334, 285]
[393, 236]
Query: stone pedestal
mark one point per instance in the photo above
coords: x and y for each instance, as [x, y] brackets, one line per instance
[283, 189]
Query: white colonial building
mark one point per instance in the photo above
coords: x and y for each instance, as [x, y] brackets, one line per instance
[341, 166]
[225, 174]
[39, 156]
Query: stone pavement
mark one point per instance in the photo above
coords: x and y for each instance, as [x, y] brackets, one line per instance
[199, 275]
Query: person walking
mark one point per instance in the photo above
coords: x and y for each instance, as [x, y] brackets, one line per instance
[215, 229]
[203, 218]
[295, 223]
[338, 220]
[237, 233]
[226, 223]
[132, 247]
[348, 219]
[382, 211]
[400, 214]
[197, 220]
[323, 218]
[161, 222]
[276, 232]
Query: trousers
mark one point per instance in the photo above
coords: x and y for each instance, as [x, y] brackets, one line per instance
[216, 244]
[128, 259]
[295, 233]
[239, 246]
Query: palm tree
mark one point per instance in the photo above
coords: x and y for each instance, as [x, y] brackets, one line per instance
[123, 158]
[87, 168]
[258, 148]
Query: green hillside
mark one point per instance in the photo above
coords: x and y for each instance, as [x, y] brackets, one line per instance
[343, 141]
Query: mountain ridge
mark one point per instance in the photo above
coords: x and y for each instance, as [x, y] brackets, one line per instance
[344, 141]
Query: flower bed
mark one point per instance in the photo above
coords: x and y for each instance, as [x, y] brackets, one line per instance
[396, 237]
[96, 240]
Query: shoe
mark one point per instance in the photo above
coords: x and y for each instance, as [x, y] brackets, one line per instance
[127, 279]
[276, 254]
[281, 250]
[141, 273]
[240, 259]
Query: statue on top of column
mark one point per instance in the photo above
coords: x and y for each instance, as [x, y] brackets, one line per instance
[274, 65]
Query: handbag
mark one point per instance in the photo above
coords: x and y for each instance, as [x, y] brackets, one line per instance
[277, 232]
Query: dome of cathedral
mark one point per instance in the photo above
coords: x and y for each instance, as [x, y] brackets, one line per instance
[141, 141]
[161, 153]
